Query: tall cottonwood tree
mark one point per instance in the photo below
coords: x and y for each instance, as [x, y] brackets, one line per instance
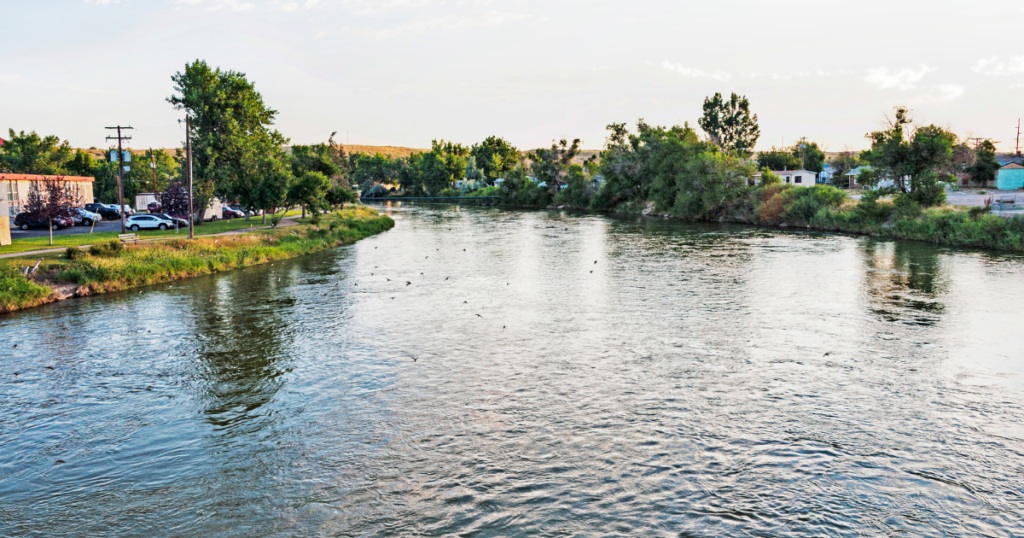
[231, 130]
[729, 124]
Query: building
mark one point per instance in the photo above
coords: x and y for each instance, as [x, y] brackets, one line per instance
[5, 213]
[17, 187]
[853, 174]
[803, 178]
[826, 175]
[1010, 177]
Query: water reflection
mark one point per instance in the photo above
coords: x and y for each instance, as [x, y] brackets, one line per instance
[905, 280]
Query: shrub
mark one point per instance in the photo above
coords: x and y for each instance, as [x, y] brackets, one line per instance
[449, 193]
[486, 191]
[74, 275]
[906, 208]
[73, 253]
[108, 249]
[978, 211]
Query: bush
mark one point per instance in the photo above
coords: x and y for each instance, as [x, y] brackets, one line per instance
[979, 210]
[486, 191]
[906, 208]
[75, 275]
[110, 249]
[449, 193]
[73, 253]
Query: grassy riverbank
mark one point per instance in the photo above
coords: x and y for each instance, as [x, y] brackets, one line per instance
[110, 267]
[25, 244]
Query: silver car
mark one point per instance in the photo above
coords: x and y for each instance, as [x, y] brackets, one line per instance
[148, 222]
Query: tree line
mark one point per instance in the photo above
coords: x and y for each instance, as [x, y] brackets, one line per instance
[238, 156]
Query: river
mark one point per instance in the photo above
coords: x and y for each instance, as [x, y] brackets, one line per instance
[480, 372]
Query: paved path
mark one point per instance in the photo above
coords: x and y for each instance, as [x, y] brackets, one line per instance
[285, 222]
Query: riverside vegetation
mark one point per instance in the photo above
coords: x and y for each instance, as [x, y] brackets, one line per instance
[111, 266]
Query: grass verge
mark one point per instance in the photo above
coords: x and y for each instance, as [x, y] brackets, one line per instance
[75, 240]
[109, 266]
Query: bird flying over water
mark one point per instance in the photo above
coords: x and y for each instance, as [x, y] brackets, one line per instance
[447, 277]
[407, 282]
[479, 316]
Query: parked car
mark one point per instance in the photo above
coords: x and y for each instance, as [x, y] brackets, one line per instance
[153, 207]
[147, 222]
[182, 223]
[128, 211]
[229, 213]
[84, 216]
[104, 211]
[26, 221]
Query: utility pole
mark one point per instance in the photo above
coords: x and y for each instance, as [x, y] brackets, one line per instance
[152, 166]
[1017, 148]
[188, 151]
[120, 169]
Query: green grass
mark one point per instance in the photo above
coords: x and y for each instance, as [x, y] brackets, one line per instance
[77, 240]
[103, 269]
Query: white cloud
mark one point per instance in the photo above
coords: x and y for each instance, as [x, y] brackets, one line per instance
[994, 66]
[941, 93]
[490, 18]
[214, 5]
[690, 72]
[904, 79]
[290, 6]
[102, 2]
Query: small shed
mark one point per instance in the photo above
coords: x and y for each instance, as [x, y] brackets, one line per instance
[1010, 177]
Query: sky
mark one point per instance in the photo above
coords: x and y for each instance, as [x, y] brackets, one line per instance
[405, 72]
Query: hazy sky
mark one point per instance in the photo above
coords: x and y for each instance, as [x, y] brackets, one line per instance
[402, 72]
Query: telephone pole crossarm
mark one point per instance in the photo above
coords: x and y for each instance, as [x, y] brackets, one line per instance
[120, 167]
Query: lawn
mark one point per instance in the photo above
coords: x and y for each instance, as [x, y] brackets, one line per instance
[110, 266]
[77, 240]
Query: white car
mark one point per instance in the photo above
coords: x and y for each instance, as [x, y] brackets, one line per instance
[148, 222]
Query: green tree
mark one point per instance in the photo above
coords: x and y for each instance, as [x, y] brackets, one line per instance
[729, 124]
[139, 178]
[309, 191]
[442, 166]
[315, 158]
[841, 164]
[552, 165]
[644, 166]
[778, 159]
[230, 129]
[31, 154]
[915, 161]
[711, 184]
[495, 156]
[473, 172]
[985, 165]
[808, 156]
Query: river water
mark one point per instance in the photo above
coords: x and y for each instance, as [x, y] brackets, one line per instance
[574, 375]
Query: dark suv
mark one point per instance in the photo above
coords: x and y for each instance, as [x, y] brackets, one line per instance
[105, 211]
[26, 221]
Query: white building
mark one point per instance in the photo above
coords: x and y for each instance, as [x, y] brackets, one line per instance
[802, 178]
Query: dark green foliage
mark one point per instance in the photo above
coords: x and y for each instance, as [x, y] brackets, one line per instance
[710, 185]
[578, 190]
[550, 166]
[778, 159]
[915, 162]
[729, 124]
[985, 165]
[108, 249]
[495, 156]
[519, 191]
[73, 253]
[31, 154]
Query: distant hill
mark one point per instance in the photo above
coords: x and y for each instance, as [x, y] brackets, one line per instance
[391, 151]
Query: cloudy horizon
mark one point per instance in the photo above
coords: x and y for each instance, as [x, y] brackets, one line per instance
[403, 72]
